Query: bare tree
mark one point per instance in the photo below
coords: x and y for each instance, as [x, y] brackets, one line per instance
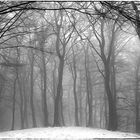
[88, 88]
[61, 45]
[73, 70]
[32, 88]
[42, 37]
[14, 103]
[106, 59]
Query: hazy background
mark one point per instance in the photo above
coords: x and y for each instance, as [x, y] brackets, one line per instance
[66, 68]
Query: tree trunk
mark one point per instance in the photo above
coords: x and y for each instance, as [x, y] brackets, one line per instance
[74, 76]
[113, 82]
[75, 96]
[25, 106]
[80, 101]
[90, 102]
[61, 109]
[14, 104]
[137, 99]
[76, 103]
[112, 124]
[54, 81]
[45, 110]
[58, 97]
[21, 104]
[88, 90]
[105, 111]
[32, 90]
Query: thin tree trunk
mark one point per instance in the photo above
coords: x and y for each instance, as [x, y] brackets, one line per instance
[21, 104]
[113, 81]
[14, 104]
[61, 109]
[90, 102]
[25, 107]
[105, 111]
[80, 102]
[45, 110]
[74, 76]
[95, 112]
[88, 90]
[32, 90]
[76, 102]
[137, 99]
[42, 104]
[54, 81]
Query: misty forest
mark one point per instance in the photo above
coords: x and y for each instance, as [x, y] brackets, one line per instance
[70, 64]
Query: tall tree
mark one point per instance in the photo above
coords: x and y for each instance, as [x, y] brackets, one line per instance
[14, 102]
[42, 36]
[105, 55]
[32, 88]
[61, 44]
[88, 88]
[74, 77]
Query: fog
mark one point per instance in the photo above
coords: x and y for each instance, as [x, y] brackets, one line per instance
[62, 67]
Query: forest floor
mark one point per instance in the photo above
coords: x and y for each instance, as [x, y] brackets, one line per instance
[66, 133]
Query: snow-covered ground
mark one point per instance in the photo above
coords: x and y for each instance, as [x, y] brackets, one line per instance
[69, 133]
